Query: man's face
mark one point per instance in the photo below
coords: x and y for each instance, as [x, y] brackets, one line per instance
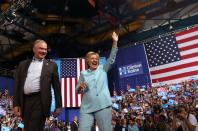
[76, 118]
[93, 61]
[40, 50]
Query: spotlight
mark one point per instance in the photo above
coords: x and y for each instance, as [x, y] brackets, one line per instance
[66, 8]
[62, 29]
[43, 23]
[170, 27]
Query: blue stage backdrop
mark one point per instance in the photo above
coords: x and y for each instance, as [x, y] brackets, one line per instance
[7, 83]
[130, 69]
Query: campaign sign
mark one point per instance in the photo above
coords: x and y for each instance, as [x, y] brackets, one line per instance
[171, 95]
[118, 98]
[21, 125]
[131, 90]
[170, 102]
[115, 106]
[165, 106]
[131, 70]
[2, 111]
[5, 128]
[162, 91]
[186, 93]
[173, 88]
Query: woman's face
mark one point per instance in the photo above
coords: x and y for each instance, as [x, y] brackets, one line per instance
[93, 61]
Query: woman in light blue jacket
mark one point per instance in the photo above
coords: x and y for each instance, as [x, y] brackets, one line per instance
[93, 83]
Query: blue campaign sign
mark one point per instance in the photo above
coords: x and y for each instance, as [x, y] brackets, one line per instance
[21, 125]
[131, 70]
[171, 95]
[5, 128]
[174, 88]
[186, 93]
[164, 106]
[115, 106]
[118, 98]
[131, 90]
[170, 102]
[178, 85]
[162, 93]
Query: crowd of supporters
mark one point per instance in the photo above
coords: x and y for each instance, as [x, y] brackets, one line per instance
[8, 120]
[160, 108]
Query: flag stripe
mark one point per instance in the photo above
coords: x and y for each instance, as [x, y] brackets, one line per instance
[189, 47]
[76, 95]
[193, 37]
[73, 92]
[163, 79]
[63, 92]
[68, 92]
[175, 72]
[187, 52]
[174, 68]
[79, 68]
[190, 55]
[67, 95]
[184, 34]
[193, 42]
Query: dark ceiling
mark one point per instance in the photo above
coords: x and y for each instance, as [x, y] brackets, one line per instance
[72, 27]
[72, 8]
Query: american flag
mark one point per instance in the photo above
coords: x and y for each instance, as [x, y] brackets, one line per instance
[173, 58]
[69, 73]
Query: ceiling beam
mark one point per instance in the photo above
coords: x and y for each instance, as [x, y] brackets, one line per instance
[166, 9]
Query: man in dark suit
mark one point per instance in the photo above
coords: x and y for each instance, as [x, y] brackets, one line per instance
[32, 89]
[75, 124]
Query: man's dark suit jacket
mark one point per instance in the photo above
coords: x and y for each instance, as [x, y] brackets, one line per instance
[74, 126]
[49, 76]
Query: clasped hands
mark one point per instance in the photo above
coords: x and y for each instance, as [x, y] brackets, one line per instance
[82, 86]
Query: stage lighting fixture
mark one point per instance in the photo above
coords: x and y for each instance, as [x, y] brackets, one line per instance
[170, 27]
